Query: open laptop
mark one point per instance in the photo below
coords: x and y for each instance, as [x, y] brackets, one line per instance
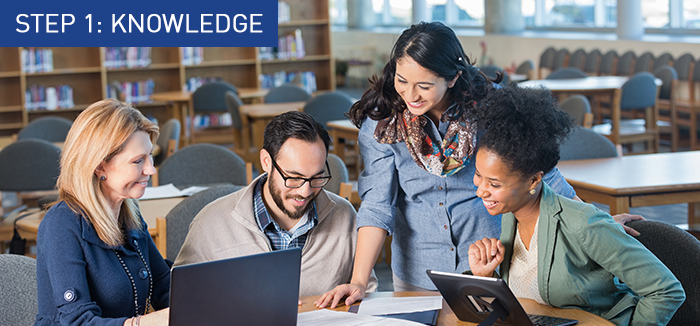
[487, 301]
[260, 289]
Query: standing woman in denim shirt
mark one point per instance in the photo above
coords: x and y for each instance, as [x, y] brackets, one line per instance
[96, 262]
[417, 136]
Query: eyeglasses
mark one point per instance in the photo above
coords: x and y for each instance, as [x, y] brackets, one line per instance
[293, 182]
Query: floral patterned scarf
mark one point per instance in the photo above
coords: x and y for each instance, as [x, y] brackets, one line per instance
[442, 160]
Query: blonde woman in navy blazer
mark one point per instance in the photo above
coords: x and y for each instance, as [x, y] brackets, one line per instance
[584, 259]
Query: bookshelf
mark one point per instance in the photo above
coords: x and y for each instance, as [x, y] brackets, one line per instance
[85, 71]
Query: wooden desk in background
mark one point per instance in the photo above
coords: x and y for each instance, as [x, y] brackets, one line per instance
[181, 104]
[638, 180]
[590, 86]
[446, 317]
[344, 129]
[258, 115]
[150, 210]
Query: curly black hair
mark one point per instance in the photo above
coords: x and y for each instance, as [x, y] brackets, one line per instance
[524, 127]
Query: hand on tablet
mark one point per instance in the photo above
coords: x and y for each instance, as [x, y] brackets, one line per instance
[485, 255]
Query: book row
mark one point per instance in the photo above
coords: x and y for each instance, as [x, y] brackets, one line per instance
[131, 92]
[37, 60]
[127, 57]
[39, 97]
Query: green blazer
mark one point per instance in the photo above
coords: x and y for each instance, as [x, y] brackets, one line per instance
[584, 257]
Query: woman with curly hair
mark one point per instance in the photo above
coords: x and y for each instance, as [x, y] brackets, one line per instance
[555, 250]
[417, 136]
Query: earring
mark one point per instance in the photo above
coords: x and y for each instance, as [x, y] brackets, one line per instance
[103, 178]
[532, 191]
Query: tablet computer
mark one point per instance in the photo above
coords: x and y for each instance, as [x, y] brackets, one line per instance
[487, 301]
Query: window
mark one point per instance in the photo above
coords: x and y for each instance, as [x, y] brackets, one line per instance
[394, 12]
[691, 14]
[457, 12]
[570, 13]
[338, 12]
[655, 13]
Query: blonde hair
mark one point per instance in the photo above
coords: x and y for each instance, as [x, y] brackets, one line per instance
[97, 135]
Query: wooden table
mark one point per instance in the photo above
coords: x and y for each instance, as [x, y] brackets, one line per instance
[344, 129]
[638, 180]
[150, 210]
[447, 317]
[591, 86]
[258, 115]
[181, 104]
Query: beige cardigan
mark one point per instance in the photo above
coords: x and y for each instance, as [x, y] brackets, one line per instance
[227, 228]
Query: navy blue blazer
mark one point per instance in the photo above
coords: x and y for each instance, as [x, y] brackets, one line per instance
[80, 280]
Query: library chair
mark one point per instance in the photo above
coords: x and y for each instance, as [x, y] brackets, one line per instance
[18, 304]
[29, 167]
[287, 93]
[665, 59]
[172, 229]
[339, 173]
[52, 129]
[201, 165]
[625, 64]
[567, 73]
[210, 99]
[577, 59]
[168, 140]
[241, 140]
[583, 143]
[680, 252]
[546, 60]
[592, 63]
[561, 59]
[644, 62]
[579, 108]
[666, 102]
[608, 64]
[329, 106]
[526, 68]
[686, 104]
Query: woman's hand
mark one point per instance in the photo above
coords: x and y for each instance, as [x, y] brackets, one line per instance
[156, 318]
[353, 292]
[624, 218]
[485, 255]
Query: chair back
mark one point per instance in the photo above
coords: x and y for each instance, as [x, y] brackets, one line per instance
[567, 73]
[202, 164]
[547, 57]
[608, 63]
[577, 106]
[287, 93]
[683, 66]
[644, 62]
[29, 165]
[680, 252]
[339, 172]
[52, 129]
[583, 143]
[668, 77]
[18, 304]
[578, 59]
[592, 62]
[560, 59]
[665, 59]
[233, 105]
[170, 131]
[179, 218]
[625, 65]
[329, 106]
[638, 92]
[526, 68]
[492, 71]
[696, 71]
[210, 96]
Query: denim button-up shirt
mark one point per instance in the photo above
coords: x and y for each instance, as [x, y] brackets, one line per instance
[433, 220]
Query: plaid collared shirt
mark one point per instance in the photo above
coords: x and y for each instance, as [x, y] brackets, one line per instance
[279, 238]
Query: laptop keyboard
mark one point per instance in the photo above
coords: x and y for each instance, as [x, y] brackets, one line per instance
[539, 320]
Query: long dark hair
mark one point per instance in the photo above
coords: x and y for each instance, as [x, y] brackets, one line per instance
[435, 47]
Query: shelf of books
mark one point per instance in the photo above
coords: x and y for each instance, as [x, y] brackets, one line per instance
[36, 82]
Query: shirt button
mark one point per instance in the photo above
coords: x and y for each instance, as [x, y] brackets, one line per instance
[143, 274]
[445, 226]
[440, 204]
[440, 188]
[69, 295]
[452, 249]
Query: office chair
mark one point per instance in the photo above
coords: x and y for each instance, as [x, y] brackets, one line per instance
[583, 143]
[18, 304]
[287, 93]
[52, 129]
[202, 164]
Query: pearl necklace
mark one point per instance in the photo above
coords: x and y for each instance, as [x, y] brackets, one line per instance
[133, 284]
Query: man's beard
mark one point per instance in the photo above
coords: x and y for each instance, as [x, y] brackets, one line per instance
[277, 198]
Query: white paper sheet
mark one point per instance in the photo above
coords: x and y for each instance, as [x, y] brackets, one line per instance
[325, 317]
[398, 305]
[168, 191]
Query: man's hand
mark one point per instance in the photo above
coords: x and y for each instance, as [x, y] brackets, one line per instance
[624, 218]
[353, 292]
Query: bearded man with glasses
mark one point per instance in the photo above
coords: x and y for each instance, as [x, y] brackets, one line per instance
[286, 207]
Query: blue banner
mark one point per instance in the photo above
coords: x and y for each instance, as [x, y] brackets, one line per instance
[146, 23]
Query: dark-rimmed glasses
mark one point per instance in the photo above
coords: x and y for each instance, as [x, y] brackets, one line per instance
[294, 182]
